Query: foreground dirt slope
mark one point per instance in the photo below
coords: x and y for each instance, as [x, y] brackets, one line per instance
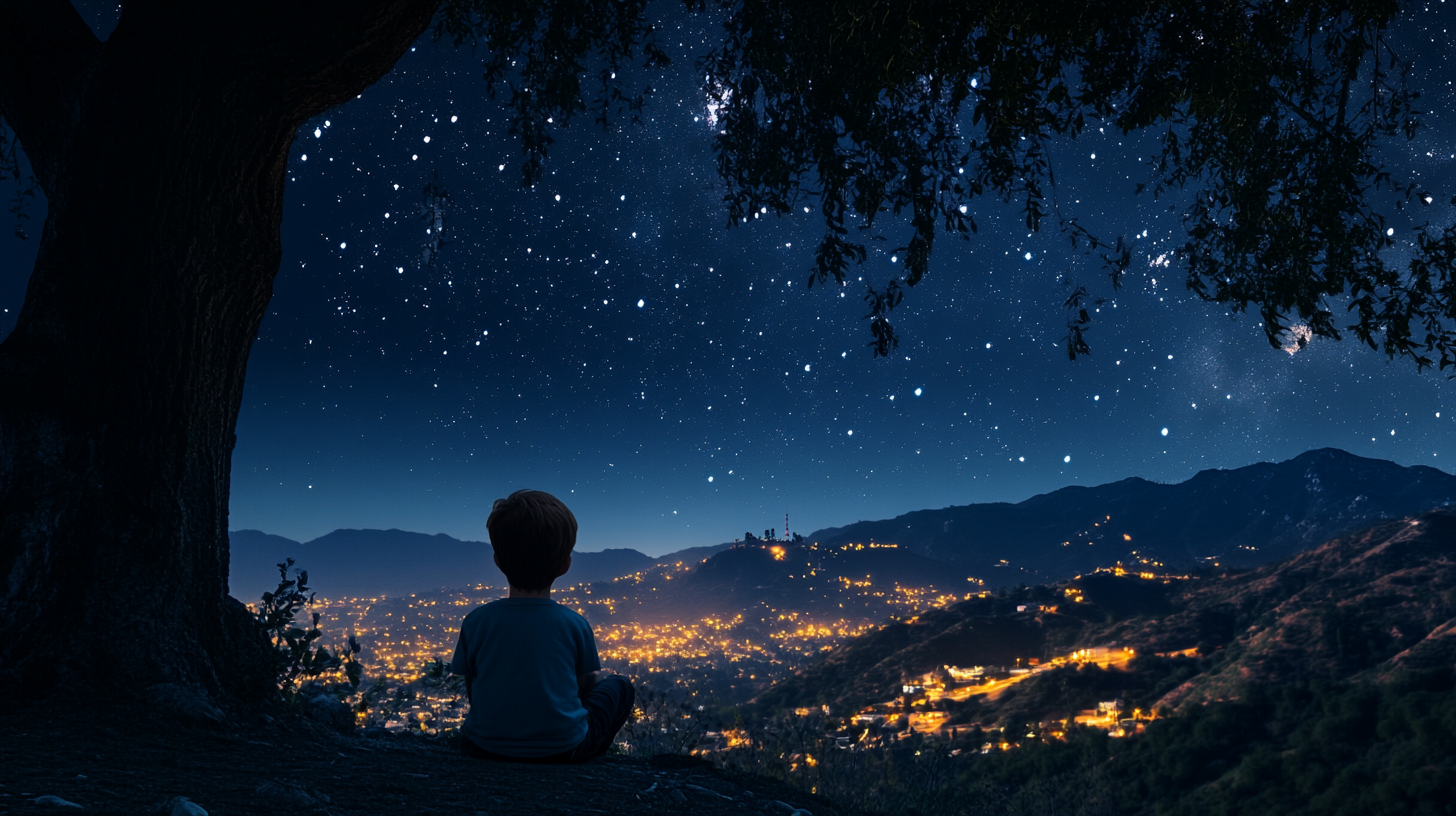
[304, 770]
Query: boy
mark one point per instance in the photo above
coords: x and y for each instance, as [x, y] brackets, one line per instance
[531, 661]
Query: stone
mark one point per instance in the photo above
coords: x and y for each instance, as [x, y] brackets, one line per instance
[185, 703]
[677, 795]
[331, 712]
[56, 801]
[701, 789]
[182, 806]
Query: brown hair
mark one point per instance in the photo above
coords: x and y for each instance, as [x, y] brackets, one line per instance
[532, 533]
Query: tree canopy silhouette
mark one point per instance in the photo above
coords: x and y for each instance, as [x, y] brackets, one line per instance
[162, 153]
[1269, 119]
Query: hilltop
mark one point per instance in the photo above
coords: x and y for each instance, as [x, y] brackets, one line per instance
[287, 764]
[780, 577]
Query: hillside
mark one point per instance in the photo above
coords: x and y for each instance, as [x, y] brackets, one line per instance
[1243, 517]
[984, 631]
[1360, 606]
[870, 668]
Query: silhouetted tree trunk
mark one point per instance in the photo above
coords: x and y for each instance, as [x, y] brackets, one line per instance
[163, 154]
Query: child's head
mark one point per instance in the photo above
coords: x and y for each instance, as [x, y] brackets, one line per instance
[532, 533]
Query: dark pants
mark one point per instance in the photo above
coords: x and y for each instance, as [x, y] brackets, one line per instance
[608, 705]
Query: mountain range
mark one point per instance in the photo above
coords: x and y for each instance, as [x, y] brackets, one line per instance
[1242, 517]
[372, 563]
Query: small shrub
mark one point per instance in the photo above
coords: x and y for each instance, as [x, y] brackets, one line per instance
[295, 653]
[662, 723]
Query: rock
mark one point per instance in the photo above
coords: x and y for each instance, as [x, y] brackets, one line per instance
[181, 806]
[701, 789]
[185, 703]
[333, 713]
[677, 795]
[56, 801]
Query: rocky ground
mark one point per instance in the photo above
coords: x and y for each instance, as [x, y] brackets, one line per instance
[295, 766]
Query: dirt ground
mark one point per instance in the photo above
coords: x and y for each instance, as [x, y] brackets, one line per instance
[295, 766]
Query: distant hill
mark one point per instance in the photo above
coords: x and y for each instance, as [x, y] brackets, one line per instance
[764, 579]
[361, 562]
[368, 563]
[1243, 517]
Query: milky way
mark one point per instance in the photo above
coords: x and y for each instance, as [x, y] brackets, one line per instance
[606, 337]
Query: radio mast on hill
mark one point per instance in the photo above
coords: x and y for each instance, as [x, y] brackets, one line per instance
[786, 527]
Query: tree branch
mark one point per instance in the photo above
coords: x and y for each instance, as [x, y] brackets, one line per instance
[46, 52]
[311, 57]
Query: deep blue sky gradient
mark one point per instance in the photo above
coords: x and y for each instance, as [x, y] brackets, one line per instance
[384, 393]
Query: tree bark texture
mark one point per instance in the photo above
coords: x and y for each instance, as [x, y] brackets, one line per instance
[163, 154]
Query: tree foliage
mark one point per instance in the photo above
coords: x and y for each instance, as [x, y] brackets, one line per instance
[543, 52]
[1269, 118]
[11, 170]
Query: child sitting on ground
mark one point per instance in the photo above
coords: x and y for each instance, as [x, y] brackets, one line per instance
[531, 662]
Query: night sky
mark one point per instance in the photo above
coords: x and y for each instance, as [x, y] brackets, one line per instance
[605, 337]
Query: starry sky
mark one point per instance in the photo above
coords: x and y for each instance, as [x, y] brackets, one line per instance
[604, 336]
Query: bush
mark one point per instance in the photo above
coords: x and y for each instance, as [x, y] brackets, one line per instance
[295, 655]
[663, 723]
